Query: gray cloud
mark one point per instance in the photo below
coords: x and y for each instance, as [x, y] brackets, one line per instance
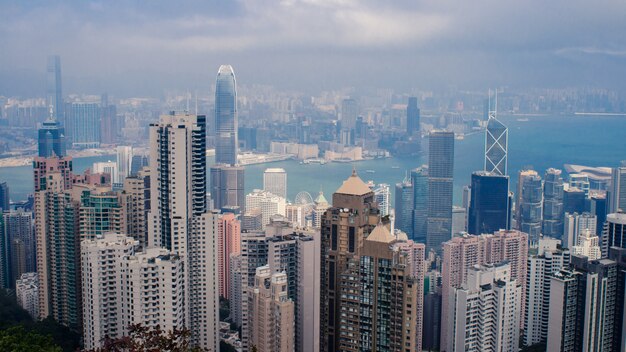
[143, 47]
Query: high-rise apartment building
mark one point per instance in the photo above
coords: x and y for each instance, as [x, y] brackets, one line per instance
[57, 223]
[121, 287]
[619, 256]
[485, 314]
[404, 207]
[226, 119]
[275, 181]
[107, 167]
[321, 205]
[496, 146]
[544, 260]
[179, 221]
[269, 204]
[344, 227]
[227, 187]
[44, 166]
[489, 209]
[271, 313]
[574, 224]
[614, 232]
[530, 204]
[229, 243]
[412, 117]
[419, 180]
[124, 159]
[27, 293]
[462, 253]
[18, 245]
[617, 192]
[553, 204]
[583, 307]
[440, 174]
[588, 245]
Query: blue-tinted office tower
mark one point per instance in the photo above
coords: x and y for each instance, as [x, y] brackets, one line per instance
[419, 179]
[574, 200]
[412, 117]
[553, 204]
[226, 117]
[51, 139]
[440, 177]
[53, 89]
[404, 207]
[490, 208]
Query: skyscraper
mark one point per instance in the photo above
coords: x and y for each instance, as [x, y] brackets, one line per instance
[226, 116]
[20, 244]
[574, 225]
[275, 181]
[617, 193]
[404, 207]
[412, 117]
[271, 313]
[344, 226]
[4, 197]
[53, 91]
[545, 259]
[349, 112]
[124, 159]
[553, 204]
[51, 139]
[489, 209]
[583, 307]
[84, 124]
[229, 243]
[486, 311]
[496, 145]
[574, 200]
[614, 233]
[440, 174]
[227, 186]
[419, 180]
[530, 204]
[383, 198]
[179, 221]
[124, 289]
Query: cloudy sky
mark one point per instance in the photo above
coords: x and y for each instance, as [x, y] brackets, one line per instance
[132, 48]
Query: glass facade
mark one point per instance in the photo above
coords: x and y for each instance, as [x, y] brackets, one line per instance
[226, 117]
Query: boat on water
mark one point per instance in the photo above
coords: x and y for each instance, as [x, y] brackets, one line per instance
[523, 119]
[370, 171]
[395, 167]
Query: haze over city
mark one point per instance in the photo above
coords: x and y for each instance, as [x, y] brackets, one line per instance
[312, 176]
[139, 48]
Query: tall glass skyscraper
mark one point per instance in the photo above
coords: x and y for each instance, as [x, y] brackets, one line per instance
[490, 209]
[226, 116]
[51, 139]
[53, 91]
[553, 204]
[530, 204]
[419, 179]
[412, 117]
[496, 144]
[440, 177]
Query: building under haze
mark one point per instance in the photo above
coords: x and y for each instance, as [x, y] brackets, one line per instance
[419, 180]
[404, 207]
[617, 193]
[275, 181]
[83, 122]
[226, 124]
[51, 139]
[412, 117]
[54, 92]
[530, 204]
[440, 177]
[227, 186]
[553, 204]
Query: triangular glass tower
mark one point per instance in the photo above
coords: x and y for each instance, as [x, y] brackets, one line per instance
[496, 144]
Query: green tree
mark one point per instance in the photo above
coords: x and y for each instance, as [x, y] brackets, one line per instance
[18, 339]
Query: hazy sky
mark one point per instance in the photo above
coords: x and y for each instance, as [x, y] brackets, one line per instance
[146, 47]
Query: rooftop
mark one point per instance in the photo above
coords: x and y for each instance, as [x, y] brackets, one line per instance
[354, 186]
